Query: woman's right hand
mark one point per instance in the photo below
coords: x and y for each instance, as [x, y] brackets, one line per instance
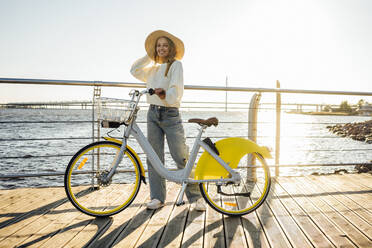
[160, 92]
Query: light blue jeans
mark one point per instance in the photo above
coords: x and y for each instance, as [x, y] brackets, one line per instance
[166, 121]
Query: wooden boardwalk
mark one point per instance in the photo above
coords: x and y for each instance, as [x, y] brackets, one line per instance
[313, 211]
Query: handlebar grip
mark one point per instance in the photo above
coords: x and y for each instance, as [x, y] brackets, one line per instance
[151, 91]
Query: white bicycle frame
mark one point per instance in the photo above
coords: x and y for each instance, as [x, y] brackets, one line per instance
[181, 176]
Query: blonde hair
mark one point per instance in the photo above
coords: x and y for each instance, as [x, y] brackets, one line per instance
[171, 56]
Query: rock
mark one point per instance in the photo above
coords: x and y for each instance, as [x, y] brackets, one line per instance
[363, 168]
[361, 131]
[341, 171]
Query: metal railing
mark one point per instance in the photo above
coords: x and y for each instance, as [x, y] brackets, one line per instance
[187, 87]
[250, 123]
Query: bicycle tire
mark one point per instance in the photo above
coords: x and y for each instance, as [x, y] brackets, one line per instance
[84, 187]
[233, 199]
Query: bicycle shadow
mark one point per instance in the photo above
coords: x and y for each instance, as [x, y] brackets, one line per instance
[17, 217]
[49, 208]
[131, 225]
[51, 234]
[254, 232]
[103, 238]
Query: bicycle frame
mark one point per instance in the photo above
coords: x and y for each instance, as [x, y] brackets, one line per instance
[181, 176]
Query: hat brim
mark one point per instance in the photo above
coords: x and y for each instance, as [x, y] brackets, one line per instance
[154, 36]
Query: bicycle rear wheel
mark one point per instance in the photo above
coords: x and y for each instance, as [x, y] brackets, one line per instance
[242, 198]
[85, 186]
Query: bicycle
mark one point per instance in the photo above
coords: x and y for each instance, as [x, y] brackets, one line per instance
[104, 177]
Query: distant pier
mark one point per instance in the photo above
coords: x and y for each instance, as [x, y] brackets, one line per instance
[50, 105]
[293, 107]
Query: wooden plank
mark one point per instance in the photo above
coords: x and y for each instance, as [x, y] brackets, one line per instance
[13, 206]
[133, 231]
[234, 233]
[87, 233]
[290, 227]
[332, 232]
[254, 232]
[364, 179]
[9, 197]
[359, 194]
[30, 201]
[154, 230]
[342, 197]
[214, 231]
[272, 229]
[353, 218]
[57, 227]
[367, 177]
[330, 202]
[214, 235]
[51, 199]
[120, 221]
[321, 200]
[312, 232]
[87, 229]
[194, 231]
[173, 232]
[354, 184]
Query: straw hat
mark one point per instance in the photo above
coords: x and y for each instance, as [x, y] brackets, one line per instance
[153, 37]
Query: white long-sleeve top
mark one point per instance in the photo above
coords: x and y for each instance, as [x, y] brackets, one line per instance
[154, 76]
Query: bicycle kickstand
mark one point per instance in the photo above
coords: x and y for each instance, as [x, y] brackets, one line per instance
[180, 200]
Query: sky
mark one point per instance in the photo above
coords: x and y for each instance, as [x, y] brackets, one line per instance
[305, 44]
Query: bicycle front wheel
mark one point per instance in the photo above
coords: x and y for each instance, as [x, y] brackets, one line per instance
[244, 197]
[85, 182]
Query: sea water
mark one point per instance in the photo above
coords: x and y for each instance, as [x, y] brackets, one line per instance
[34, 140]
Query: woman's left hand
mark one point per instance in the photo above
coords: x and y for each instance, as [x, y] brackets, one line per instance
[160, 92]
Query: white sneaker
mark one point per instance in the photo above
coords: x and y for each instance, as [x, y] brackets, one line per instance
[154, 204]
[199, 205]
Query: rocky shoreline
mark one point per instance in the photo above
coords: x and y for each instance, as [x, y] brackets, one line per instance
[361, 131]
[360, 168]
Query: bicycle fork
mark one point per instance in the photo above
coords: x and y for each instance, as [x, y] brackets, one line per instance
[118, 157]
[106, 178]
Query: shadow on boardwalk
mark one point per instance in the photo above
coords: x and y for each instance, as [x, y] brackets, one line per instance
[312, 208]
[104, 239]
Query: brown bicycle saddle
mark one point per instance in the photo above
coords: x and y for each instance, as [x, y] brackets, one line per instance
[208, 122]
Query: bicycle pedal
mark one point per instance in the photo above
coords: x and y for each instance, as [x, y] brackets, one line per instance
[180, 203]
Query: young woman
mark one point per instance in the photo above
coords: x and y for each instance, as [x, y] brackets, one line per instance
[163, 117]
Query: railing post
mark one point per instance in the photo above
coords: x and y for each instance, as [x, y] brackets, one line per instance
[226, 96]
[277, 133]
[96, 96]
[252, 132]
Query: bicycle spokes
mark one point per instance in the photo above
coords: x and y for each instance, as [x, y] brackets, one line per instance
[243, 197]
[91, 190]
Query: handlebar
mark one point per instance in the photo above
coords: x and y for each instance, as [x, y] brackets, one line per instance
[149, 91]
[136, 95]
